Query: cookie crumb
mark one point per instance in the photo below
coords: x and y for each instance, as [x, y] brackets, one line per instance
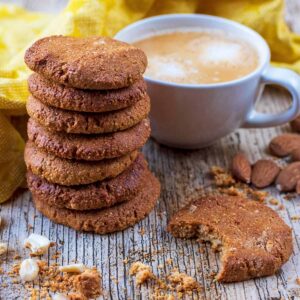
[232, 191]
[183, 282]
[76, 296]
[142, 272]
[259, 196]
[221, 177]
[125, 261]
[142, 231]
[88, 283]
[274, 201]
[295, 218]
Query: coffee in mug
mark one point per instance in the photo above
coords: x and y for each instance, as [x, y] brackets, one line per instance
[198, 57]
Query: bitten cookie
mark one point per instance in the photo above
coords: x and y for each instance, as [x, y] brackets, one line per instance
[253, 239]
[89, 147]
[110, 219]
[95, 195]
[71, 172]
[87, 123]
[97, 63]
[64, 97]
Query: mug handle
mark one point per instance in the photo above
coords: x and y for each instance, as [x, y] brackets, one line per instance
[290, 81]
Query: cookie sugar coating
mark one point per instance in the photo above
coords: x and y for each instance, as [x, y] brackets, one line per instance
[115, 218]
[89, 147]
[98, 63]
[69, 98]
[87, 123]
[71, 172]
[95, 195]
[254, 240]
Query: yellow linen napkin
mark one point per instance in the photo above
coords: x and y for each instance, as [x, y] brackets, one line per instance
[20, 28]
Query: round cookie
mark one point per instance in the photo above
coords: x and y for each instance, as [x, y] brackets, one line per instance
[64, 97]
[97, 63]
[89, 147]
[110, 219]
[87, 123]
[254, 241]
[71, 172]
[91, 196]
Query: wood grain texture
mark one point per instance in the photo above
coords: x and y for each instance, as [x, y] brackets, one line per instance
[181, 174]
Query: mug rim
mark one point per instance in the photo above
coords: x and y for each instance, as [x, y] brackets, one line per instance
[260, 68]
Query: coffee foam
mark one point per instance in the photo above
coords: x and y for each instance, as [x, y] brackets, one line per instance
[219, 52]
[166, 66]
[170, 66]
[198, 57]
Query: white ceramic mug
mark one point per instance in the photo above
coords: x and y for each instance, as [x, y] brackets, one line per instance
[196, 115]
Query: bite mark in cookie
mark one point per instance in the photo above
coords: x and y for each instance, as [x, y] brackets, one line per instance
[253, 240]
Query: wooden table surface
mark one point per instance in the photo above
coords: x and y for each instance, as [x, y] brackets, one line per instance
[181, 173]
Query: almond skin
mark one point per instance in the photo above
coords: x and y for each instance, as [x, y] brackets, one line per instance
[295, 124]
[241, 167]
[264, 173]
[295, 155]
[288, 177]
[284, 144]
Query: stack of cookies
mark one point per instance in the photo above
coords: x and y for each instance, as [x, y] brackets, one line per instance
[88, 113]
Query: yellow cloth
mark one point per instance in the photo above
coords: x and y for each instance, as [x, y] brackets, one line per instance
[20, 28]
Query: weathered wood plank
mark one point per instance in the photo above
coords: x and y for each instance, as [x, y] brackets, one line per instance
[181, 173]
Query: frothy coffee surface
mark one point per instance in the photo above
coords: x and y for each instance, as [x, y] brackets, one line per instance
[197, 57]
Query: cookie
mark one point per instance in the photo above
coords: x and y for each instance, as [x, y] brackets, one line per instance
[254, 240]
[97, 63]
[110, 219]
[68, 121]
[71, 172]
[89, 147]
[64, 97]
[91, 196]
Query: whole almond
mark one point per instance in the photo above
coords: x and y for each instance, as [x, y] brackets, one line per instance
[296, 154]
[241, 168]
[284, 144]
[288, 177]
[295, 124]
[264, 173]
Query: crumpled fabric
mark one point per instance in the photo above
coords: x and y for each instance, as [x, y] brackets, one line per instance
[19, 28]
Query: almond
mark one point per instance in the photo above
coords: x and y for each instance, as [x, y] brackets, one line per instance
[89, 284]
[264, 173]
[37, 243]
[296, 154]
[296, 124]
[284, 144]
[288, 177]
[29, 270]
[73, 268]
[241, 167]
